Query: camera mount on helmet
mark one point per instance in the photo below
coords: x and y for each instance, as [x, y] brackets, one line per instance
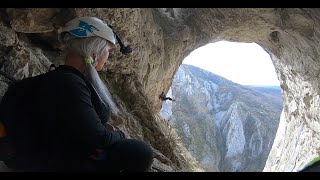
[123, 49]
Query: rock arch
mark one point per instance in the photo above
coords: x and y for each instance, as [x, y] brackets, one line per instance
[161, 38]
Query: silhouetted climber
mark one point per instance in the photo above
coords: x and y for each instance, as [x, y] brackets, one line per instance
[163, 97]
[56, 121]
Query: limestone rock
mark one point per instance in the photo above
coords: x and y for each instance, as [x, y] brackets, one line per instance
[32, 20]
[4, 168]
[7, 36]
[161, 38]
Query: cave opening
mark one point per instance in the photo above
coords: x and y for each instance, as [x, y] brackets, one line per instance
[226, 106]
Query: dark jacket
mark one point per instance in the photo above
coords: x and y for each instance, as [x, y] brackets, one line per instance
[55, 121]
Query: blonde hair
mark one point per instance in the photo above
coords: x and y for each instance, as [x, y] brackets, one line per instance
[86, 47]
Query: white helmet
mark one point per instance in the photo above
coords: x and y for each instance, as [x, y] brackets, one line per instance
[89, 26]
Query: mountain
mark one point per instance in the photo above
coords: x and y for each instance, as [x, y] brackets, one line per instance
[225, 126]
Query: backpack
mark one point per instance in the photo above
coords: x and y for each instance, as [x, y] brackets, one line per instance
[7, 150]
[10, 100]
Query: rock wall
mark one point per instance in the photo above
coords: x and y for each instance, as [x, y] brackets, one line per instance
[161, 38]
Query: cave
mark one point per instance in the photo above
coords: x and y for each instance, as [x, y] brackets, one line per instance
[161, 38]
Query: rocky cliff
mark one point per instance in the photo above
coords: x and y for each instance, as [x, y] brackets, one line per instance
[226, 126]
[160, 39]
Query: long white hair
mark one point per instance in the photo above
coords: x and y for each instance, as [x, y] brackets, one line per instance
[86, 47]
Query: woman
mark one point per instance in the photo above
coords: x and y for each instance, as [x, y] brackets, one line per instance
[57, 123]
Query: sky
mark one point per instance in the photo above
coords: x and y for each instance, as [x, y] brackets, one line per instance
[242, 63]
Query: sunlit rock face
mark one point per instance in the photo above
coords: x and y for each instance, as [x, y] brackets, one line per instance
[226, 126]
[160, 39]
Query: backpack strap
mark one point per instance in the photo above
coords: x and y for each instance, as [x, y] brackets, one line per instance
[2, 130]
[7, 150]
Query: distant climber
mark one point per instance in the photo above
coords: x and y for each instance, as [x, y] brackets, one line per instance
[163, 97]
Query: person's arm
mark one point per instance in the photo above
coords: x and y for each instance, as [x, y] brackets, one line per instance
[81, 117]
